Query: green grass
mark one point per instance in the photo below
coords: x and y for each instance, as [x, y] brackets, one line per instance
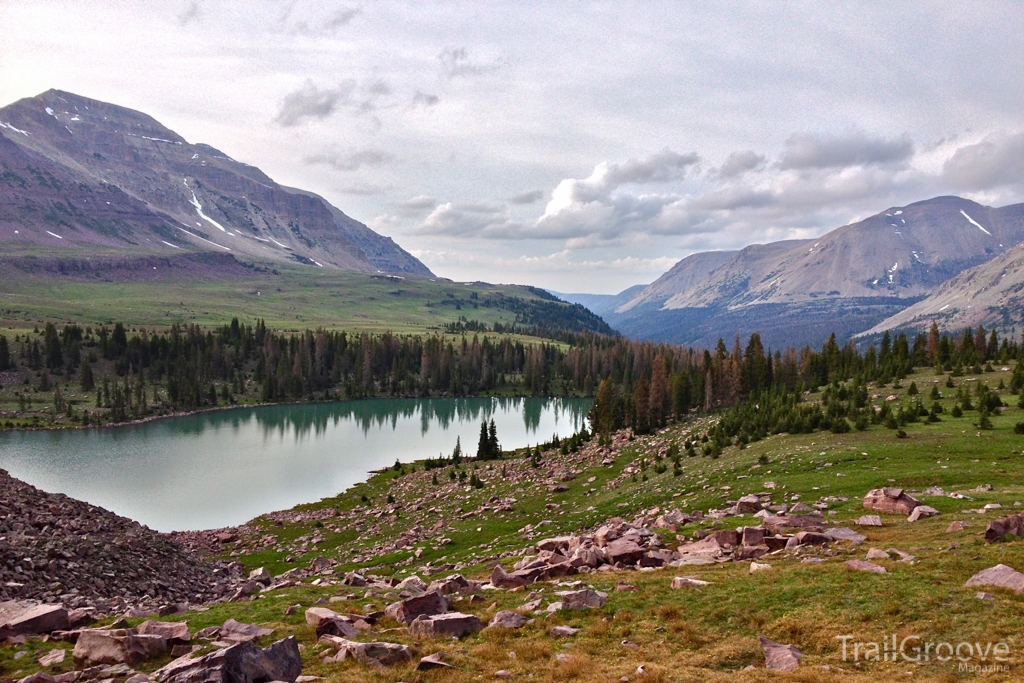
[296, 298]
[689, 635]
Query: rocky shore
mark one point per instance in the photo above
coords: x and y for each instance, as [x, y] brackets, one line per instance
[57, 549]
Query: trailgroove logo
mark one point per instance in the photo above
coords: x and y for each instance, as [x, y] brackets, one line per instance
[970, 657]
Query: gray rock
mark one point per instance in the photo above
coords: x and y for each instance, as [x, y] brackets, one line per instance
[779, 657]
[242, 663]
[507, 619]
[450, 625]
[582, 599]
[116, 646]
[407, 610]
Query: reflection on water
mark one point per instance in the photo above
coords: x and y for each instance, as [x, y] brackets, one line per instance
[222, 468]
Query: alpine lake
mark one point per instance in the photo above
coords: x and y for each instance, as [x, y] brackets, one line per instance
[222, 468]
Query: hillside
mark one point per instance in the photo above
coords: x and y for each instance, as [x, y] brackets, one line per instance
[988, 294]
[82, 176]
[413, 530]
[845, 282]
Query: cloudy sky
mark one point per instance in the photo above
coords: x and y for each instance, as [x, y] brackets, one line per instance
[577, 146]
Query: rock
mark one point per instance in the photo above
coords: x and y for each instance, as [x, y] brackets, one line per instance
[893, 501]
[998, 530]
[727, 538]
[559, 543]
[428, 604]
[261, 575]
[501, 673]
[811, 538]
[27, 618]
[226, 537]
[876, 554]
[783, 524]
[433, 661]
[450, 625]
[623, 550]
[982, 595]
[759, 567]
[53, 657]
[779, 657]
[316, 615]
[960, 526]
[688, 582]
[582, 599]
[502, 579]
[116, 646]
[563, 631]
[752, 535]
[244, 662]
[864, 566]
[375, 655]
[751, 552]
[319, 564]
[37, 677]
[922, 512]
[1000, 576]
[841, 533]
[748, 504]
[175, 632]
[800, 509]
[237, 632]
[411, 583]
[80, 618]
[507, 619]
[869, 520]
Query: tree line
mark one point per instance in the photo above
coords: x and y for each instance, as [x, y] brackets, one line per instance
[639, 384]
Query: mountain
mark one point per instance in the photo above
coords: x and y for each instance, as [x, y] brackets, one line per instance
[600, 304]
[989, 295]
[78, 175]
[846, 281]
[688, 273]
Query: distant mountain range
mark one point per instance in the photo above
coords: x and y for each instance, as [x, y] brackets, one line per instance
[80, 176]
[897, 268]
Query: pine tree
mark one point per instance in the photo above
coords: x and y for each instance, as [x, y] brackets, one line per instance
[492, 440]
[85, 377]
[457, 453]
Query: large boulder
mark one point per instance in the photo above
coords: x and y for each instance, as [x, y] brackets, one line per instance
[583, 599]
[242, 663]
[450, 625]
[406, 611]
[922, 512]
[623, 551]
[502, 579]
[1001, 528]
[116, 646]
[891, 500]
[237, 632]
[784, 524]
[1000, 576]
[27, 618]
[375, 655]
[507, 619]
[865, 566]
[779, 657]
[328, 622]
[175, 632]
[748, 504]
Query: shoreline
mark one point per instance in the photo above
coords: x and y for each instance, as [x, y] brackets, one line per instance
[212, 409]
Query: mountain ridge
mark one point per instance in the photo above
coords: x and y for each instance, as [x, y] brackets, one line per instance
[64, 159]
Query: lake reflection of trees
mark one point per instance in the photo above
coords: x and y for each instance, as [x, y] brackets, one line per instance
[314, 419]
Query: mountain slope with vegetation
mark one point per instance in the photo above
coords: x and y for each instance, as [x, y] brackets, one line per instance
[80, 175]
